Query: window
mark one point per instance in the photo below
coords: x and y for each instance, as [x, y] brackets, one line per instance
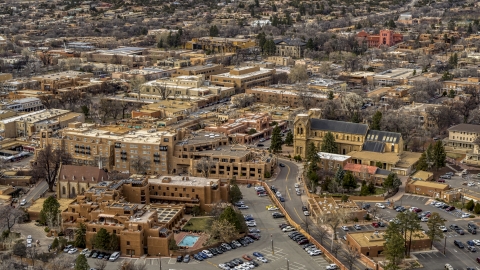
[94, 229]
[165, 139]
[193, 190]
[128, 243]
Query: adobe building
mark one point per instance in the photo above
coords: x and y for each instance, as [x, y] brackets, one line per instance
[244, 77]
[371, 244]
[283, 96]
[206, 70]
[73, 180]
[420, 187]
[171, 151]
[56, 81]
[323, 207]
[141, 229]
[238, 130]
[220, 44]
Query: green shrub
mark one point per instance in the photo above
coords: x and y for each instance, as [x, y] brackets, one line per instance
[267, 175]
[47, 229]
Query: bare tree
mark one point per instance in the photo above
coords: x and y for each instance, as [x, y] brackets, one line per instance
[131, 265]
[351, 103]
[243, 100]
[204, 166]
[136, 85]
[423, 90]
[321, 234]
[162, 89]
[140, 164]
[100, 265]
[336, 247]
[305, 96]
[10, 216]
[334, 218]
[298, 74]
[350, 255]
[47, 164]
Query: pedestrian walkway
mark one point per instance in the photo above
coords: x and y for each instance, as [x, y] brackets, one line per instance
[401, 189]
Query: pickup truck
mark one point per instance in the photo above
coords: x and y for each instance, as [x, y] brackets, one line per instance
[332, 267]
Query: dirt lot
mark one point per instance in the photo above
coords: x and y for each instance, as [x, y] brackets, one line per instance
[37, 233]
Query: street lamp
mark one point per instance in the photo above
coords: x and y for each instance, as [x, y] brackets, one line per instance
[160, 260]
[288, 264]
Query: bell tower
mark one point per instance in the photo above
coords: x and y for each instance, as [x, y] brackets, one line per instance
[300, 134]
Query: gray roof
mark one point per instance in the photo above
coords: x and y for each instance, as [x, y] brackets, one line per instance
[383, 172]
[290, 42]
[373, 146]
[338, 126]
[466, 128]
[383, 136]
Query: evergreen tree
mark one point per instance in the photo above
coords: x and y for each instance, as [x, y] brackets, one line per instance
[160, 43]
[376, 120]
[310, 45]
[371, 187]
[55, 243]
[476, 209]
[392, 182]
[80, 234]
[102, 239]
[274, 8]
[289, 138]
[391, 24]
[364, 189]
[438, 155]
[330, 95]
[311, 153]
[114, 243]
[328, 144]
[257, 3]
[339, 175]
[231, 216]
[213, 31]
[470, 29]
[379, 164]
[433, 224]
[81, 263]
[349, 182]
[394, 246]
[470, 205]
[422, 164]
[276, 145]
[49, 212]
[261, 37]
[235, 193]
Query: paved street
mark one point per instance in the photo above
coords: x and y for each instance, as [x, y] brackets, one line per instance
[283, 247]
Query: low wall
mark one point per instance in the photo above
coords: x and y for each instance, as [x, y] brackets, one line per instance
[292, 223]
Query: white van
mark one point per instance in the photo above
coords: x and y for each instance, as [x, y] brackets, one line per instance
[114, 256]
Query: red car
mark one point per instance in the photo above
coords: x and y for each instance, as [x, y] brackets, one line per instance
[417, 210]
[375, 224]
[246, 257]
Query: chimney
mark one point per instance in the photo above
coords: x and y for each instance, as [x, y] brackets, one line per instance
[64, 177]
[93, 179]
[83, 178]
[73, 177]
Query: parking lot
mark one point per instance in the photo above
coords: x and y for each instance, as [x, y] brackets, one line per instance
[435, 259]
[283, 247]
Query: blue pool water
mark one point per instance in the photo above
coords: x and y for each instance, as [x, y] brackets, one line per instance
[188, 241]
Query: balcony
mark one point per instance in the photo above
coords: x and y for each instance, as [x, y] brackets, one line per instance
[174, 198]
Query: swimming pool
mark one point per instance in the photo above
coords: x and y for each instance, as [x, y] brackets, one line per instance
[188, 241]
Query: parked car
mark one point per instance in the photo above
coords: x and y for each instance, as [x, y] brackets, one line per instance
[304, 208]
[281, 165]
[332, 267]
[443, 228]
[242, 207]
[72, 251]
[345, 228]
[277, 215]
[306, 213]
[440, 180]
[472, 231]
[450, 208]
[471, 249]
[288, 229]
[114, 256]
[380, 205]
[445, 176]
[357, 227]
[459, 244]
[23, 202]
[460, 231]
[247, 257]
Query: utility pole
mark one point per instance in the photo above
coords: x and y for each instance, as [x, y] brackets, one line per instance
[288, 264]
[445, 246]
[160, 260]
[271, 239]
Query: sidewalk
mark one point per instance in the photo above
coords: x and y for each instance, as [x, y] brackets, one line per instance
[401, 190]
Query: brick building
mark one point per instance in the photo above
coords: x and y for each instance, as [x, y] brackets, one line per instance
[385, 38]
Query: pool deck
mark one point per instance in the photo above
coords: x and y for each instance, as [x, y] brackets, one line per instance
[199, 244]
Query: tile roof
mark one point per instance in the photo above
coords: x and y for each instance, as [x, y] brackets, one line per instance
[338, 126]
[82, 173]
[359, 167]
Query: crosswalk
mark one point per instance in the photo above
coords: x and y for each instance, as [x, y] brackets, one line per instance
[280, 254]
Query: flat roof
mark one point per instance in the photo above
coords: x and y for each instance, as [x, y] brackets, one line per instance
[330, 156]
[246, 75]
[422, 175]
[429, 184]
[181, 181]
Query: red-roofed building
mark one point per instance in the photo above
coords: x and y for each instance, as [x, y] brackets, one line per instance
[385, 37]
[367, 173]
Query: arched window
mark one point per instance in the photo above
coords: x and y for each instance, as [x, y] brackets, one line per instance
[73, 191]
[64, 190]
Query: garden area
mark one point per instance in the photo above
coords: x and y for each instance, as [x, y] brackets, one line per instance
[198, 224]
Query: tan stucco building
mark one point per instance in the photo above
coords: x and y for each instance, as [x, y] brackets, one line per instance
[244, 77]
